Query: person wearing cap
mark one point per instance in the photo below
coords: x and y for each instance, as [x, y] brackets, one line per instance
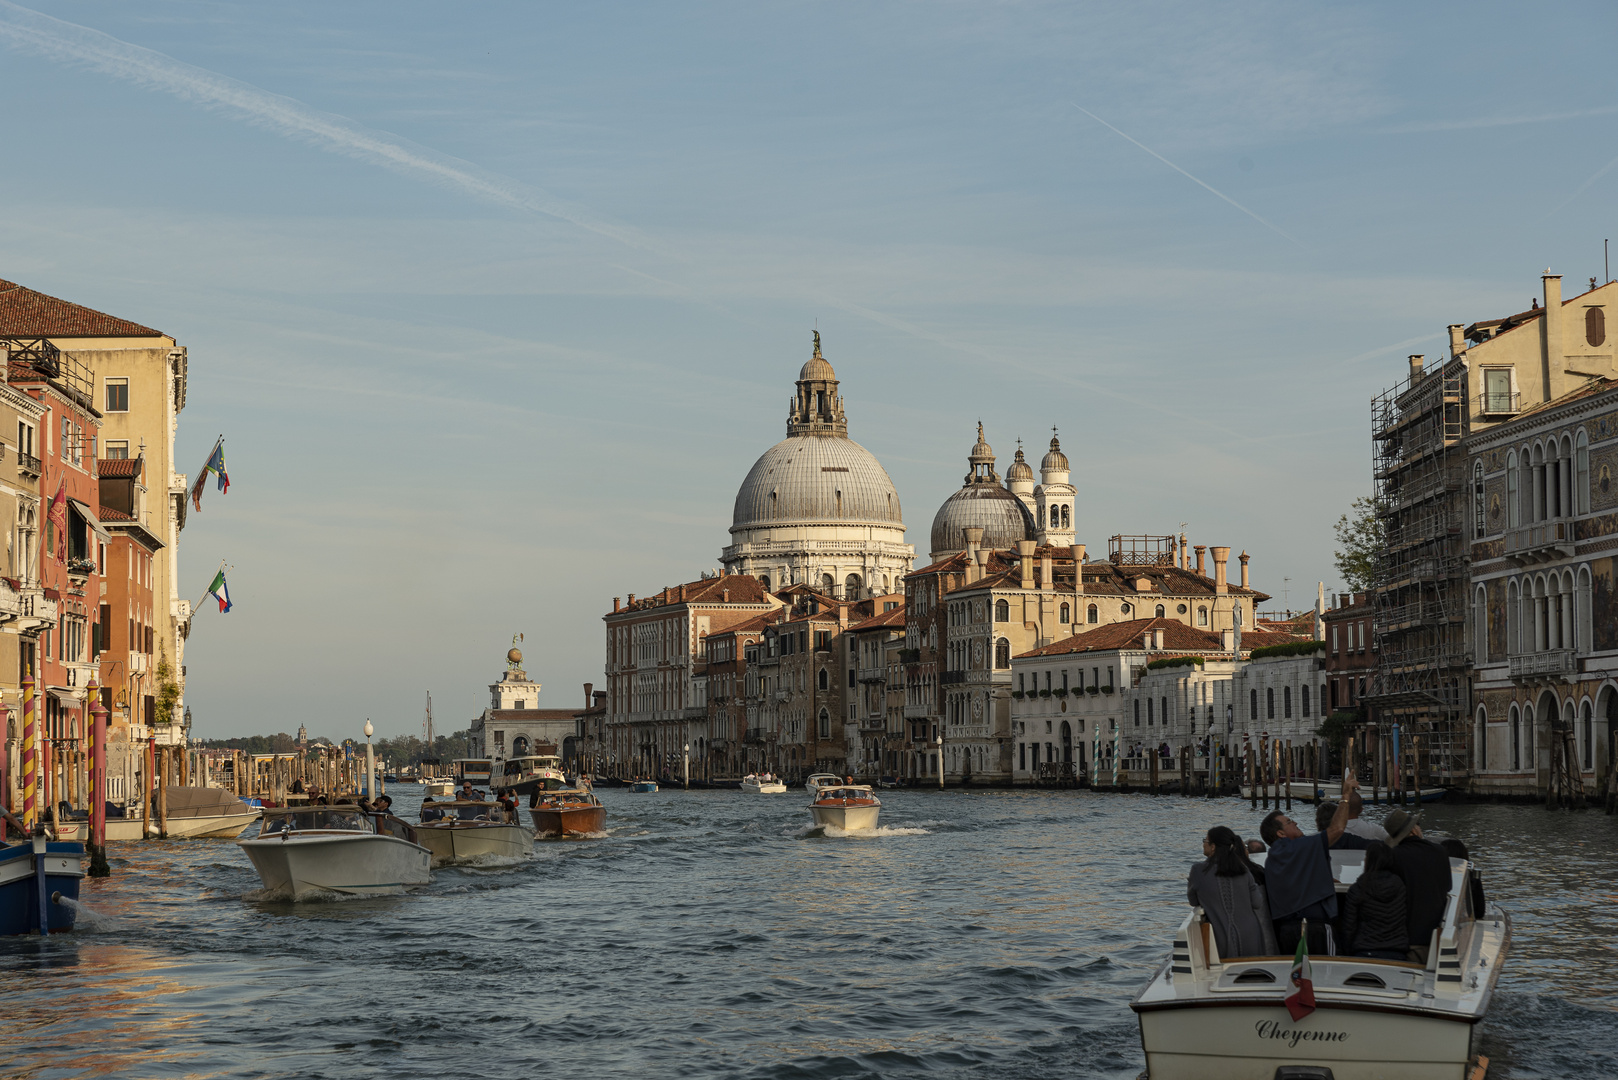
[1424, 867]
[1298, 878]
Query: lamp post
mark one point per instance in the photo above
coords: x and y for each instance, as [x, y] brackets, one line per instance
[685, 759]
[939, 740]
[370, 763]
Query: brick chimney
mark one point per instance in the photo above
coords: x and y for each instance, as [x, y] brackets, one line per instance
[631, 601]
[1415, 368]
[1025, 563]
[1078, 571]
[615, 606]
[1243, 557]
[588, 696]
[1221, 556]
[724, 596]
[1457, 342]
[1200, 549]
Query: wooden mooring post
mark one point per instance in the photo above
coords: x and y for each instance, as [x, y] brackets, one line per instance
[1252, 779]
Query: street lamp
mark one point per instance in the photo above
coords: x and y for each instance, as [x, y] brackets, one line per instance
[370, 763]
[939, 739]
[686, 765]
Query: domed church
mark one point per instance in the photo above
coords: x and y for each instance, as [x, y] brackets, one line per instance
[817, 508]
[1019, 510]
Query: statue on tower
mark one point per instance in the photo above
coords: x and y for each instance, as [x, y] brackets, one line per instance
[514, 654]
[817, 341]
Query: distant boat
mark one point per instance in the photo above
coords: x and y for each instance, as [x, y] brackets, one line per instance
[850, 807]
[568, 813]
[462, 831]
[437, 786]
[525, 775]
[762, 785]
[339, 849]
[20, 892]
[643, 785]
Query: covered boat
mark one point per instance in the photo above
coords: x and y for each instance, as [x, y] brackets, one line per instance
[341, 849]
[474, 771]
[23, 895]
[1207, 1017]
[849, 807]
[462, 831]
[191, 812]
[766, 784]
[567, 813]
[526, 775]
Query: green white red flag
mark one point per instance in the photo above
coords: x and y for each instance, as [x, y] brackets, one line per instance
[1301, 998]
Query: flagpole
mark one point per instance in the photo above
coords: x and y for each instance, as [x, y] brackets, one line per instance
[223, 566]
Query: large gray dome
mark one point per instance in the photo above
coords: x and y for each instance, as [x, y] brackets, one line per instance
[990, 507]
[816, 479]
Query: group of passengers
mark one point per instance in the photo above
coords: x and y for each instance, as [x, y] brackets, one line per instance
[503, 808]
[1388, 913]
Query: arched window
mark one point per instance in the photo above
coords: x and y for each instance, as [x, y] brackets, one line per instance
[1137, 712]
[1480, 627]
[764, 580]
[1581, 471]
[1286, 702]
[1002, 653]
[825, 724]
[826, 584]
[1587, 752]
[1480, 525]
[1305, 691]
[1595, 326]
[1056, 517]
[1160, 611]
[1516, 740]
[1066, 614]
[1094, 616]
[1067, 517]
[1483, 738]
[519, 746]
[1269, 703]
[1202, 616]
[1002, 611]
[1513, 509]
[823, 679]
[1252, 704]
[851, 587]
[1150, 719]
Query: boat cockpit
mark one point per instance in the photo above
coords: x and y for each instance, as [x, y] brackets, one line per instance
[846, 795]
[290, 822]
[461, 811]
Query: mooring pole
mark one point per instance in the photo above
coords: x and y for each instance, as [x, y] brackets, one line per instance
[97, 717]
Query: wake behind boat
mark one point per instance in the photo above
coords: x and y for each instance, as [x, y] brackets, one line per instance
[462, 831]
[851, 807]
[765, 784]
[341, 849]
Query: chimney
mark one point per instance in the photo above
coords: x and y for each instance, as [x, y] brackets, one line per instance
[1243, 557]
[588, 696]
[1025, 563]
[1342, 599]
[631, 600]
[1078, 572]
[1045, 581]
[1200, 549]
[1457, 343]
[724, 596]
[973, 537]
[1551, 335]
[1146, 641]
[601, 699]
[1221, 556]
[1157, 639]
[1415, 368]
[982, 562]
[1185, 554]
[615, 606]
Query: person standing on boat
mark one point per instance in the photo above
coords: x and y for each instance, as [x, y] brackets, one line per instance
[1424, 867]
[1349, 841]
[1297, 877]
[1222, 886]
[1374, 910]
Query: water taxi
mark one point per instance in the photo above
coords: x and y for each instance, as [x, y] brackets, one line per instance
[850, 807]
[461, 831]
[567, 813]
[474, 771]
[820, 780]
[643, 786]
[341, 849]
[1207, 1017]
[35, 876]
[437, 787]
[526, 775]
[762, 785]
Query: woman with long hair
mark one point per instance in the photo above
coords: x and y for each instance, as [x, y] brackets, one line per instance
[1232, 901]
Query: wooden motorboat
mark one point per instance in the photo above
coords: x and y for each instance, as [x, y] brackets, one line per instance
[850, 807]
[191, 812]
[23, 892]
[1207, 1017]
[766, 784]
[820, 780]
[643, 786]
[567, 813]
[463, 831]
[341, 849]
[526, 775]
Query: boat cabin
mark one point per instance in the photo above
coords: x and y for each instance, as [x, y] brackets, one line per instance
[475, 771]
[481, 813]
[542, 772]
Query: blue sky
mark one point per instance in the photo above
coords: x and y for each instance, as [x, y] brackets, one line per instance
[497, 303]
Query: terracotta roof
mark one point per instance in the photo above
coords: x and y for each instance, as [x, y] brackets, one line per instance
[26, 313]
[894, 619]
[742, 589]
[1257, 639]
[106, 513]
[1128, 635]
[754, 625]
[1107, 579]
[117, 468]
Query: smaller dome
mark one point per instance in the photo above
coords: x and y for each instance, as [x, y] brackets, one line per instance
[980, 449]
[1055, 459]
[818, 369]
[1020, 469]
[990, 507]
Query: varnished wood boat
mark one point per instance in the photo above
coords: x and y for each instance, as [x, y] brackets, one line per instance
[567, 813]
[850, 807]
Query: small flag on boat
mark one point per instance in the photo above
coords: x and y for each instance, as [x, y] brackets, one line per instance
[216, 465]
[220, 591]
[1301, 999]
[58, 516]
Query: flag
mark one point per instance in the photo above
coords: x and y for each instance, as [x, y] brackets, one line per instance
[1301, 1000]
[220, 591]
[216, 465]
[58, 516]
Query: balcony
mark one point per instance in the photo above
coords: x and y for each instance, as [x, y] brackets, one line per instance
[1542, 542]
[28, 463]
[1555, 665]
[755, 736]
[1499, 403]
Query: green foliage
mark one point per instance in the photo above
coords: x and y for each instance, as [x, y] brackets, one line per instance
[1018, 694]
[398, 751]
[1106, 689]
[1044, 693]
[1060, 691]
[168, 691]
[1360, 540]
[1293, 648]
[1337, 727]
[1176, 661]
[1092, 689]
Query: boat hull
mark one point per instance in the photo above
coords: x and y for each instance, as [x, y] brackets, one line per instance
[435, 788]
[464, 844]
[19, 888]
[764, 787]
[847, 818]
[1250, 1042]
[356, 865]
[210, 826]
[569, 820]
[643, 786]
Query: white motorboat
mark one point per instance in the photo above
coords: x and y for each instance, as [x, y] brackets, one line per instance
[340, 849]
[526, 775]
[851, 807]
[762, 785]
[1207, 1017]
[462, 831]
[192, 812]
[820, 780]
[437, 787]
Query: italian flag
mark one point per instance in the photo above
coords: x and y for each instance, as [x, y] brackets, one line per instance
[220, 592]
[1301, 999]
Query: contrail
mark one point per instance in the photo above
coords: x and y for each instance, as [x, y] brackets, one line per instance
[1603, 171]
[1268, 225]
[68, 42]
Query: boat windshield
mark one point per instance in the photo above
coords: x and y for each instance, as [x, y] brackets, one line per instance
[339, 818]
[845, 794]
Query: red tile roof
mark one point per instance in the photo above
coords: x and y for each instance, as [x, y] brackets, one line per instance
[894, 619]
[740, 588]
[1129, 635]
[26, 313]
[117, 468]
[106, 513]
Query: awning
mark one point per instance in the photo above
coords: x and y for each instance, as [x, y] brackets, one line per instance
[70, 698]
[91, 520]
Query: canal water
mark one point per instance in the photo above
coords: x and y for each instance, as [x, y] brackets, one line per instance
[990, 934]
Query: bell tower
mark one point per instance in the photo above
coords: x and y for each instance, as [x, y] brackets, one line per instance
[818, 408]
[1054, 508]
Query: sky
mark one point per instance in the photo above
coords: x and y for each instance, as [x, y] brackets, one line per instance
[496, 304]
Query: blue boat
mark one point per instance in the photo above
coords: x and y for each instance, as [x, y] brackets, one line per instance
[22, 895]
[643, 785]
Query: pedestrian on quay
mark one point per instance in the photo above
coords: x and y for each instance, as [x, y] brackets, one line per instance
[1222, 886]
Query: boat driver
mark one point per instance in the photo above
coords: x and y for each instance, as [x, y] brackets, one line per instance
[466, 794]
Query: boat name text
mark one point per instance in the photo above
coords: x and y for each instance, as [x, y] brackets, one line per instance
[1271, 1029]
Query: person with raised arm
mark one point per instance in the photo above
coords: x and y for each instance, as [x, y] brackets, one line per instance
[1298, 878]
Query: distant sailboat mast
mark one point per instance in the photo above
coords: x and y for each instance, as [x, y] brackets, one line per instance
[428, 726]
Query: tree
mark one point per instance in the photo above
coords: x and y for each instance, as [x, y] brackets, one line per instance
[1360, 540]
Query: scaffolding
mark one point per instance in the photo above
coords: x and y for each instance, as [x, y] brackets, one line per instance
[1420, 594]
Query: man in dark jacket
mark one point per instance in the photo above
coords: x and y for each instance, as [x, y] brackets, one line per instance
[1424, 868]
[1298, 878]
